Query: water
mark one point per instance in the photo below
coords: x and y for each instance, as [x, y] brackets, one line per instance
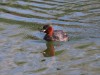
[24, 52]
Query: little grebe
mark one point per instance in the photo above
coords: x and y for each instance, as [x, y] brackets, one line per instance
[54, 35]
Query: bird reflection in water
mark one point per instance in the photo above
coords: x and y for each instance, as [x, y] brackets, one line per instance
[50, 51]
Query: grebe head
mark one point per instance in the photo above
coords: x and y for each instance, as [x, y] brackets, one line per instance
[48, 29]
[45, 27]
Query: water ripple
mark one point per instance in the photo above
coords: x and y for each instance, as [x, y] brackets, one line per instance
[28, 12]
[24, 19]
[35, 4]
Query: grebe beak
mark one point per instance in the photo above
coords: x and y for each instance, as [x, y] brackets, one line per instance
[42, 30]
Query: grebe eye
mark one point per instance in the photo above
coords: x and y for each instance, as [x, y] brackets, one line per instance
[45, 26]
